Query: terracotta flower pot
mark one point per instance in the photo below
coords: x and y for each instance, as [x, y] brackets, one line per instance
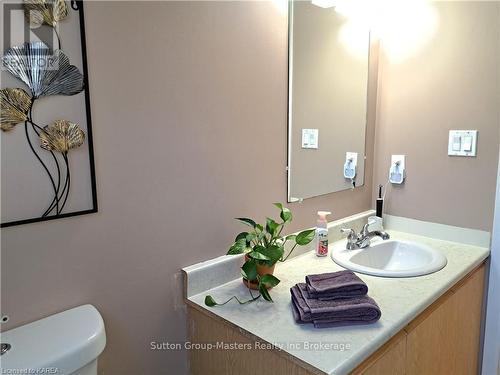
[261, 270]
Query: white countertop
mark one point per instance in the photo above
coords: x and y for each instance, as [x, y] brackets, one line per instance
[400, 299]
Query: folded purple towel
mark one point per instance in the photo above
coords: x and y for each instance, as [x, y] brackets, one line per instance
[342, 284]
[333, 313]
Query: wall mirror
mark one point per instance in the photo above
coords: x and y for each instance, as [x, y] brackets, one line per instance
[327, 102]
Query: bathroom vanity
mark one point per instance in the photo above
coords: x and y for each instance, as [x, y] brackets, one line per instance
[444, 339]
[429, 325]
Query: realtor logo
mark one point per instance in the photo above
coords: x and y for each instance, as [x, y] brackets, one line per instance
[18, 27]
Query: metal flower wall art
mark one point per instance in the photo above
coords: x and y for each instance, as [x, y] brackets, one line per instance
[61, 137]
[14, 107]
[46, 73]
[39, 12]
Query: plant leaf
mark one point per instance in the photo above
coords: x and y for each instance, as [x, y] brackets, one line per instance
[259, 227]
[271, 226]
[291, 237]
[265, 293]
[249, 270]
[273, 252]
[250, 237]
[239, 247]
[285, 214]
[304, 237]
[247, 221]
[261, 236]
[240, 236]
[257, 255]
[269, 280]
[209, 301]
[259, 248]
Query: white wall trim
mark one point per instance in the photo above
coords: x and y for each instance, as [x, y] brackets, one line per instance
[438, 231]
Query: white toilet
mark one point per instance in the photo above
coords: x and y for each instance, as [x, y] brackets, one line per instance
[62, 344]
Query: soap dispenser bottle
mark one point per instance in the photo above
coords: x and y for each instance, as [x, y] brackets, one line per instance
[322, 234]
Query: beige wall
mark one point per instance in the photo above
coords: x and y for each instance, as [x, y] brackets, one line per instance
[189, 111]
[452, 83]
[189, 106]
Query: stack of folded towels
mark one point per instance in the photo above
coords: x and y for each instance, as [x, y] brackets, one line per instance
[332, 300]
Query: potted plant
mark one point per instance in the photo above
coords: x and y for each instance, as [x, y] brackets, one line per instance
[263, 246]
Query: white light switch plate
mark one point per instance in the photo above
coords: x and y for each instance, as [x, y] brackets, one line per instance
[310, 138]
[462, 143]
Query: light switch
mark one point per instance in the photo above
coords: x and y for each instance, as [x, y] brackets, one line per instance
[310, 138]
[462, 143]
[457, 143]
[467, 143]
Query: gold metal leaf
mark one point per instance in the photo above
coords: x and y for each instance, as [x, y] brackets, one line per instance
[49, 12]
[61, 136]
[14, 107]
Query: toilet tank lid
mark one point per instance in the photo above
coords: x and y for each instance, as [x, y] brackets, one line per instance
[61, 343]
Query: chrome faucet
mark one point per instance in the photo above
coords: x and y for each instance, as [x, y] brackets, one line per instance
[362, 240]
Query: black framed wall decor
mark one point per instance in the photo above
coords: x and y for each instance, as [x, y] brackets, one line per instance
[47, 155]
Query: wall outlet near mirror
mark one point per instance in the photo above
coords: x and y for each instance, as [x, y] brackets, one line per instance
[350, 165]
[397, 171]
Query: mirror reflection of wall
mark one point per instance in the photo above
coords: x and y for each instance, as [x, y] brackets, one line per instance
[328, 85]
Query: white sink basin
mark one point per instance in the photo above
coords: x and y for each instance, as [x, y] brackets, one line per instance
[391, 258]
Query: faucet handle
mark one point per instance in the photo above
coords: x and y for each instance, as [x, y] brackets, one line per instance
[365, 230]
[351, 234]
[352, 238]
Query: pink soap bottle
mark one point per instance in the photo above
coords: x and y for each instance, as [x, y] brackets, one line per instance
[322, 234]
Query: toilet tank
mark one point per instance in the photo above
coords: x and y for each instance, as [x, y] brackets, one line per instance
[62, 344]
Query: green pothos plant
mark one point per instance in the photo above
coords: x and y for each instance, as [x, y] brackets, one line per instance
[264, 246]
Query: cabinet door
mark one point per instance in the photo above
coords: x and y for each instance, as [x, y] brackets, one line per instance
[388, 360]
[445, 339]
[246, 360]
